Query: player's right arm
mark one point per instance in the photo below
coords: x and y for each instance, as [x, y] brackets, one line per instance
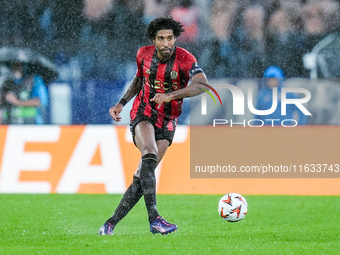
[133, 89]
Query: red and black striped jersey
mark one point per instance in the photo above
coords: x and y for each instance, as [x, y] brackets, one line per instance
[162, 77]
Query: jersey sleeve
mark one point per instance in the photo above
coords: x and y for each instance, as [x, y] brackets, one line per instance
[193, 67]
[139, 59]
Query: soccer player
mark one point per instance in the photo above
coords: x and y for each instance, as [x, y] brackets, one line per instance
[160, 84]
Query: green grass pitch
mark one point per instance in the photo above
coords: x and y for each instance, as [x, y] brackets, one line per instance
[68, 224]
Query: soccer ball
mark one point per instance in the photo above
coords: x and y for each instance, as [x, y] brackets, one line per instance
[232, 207]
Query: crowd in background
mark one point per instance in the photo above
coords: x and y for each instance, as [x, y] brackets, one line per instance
[93, 44]
[230, 38]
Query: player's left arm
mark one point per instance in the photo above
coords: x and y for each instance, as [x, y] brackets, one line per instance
[193, 89]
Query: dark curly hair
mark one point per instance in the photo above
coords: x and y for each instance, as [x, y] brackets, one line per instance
[164, 23]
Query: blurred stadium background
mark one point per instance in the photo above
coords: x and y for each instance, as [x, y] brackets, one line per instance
[93, 45]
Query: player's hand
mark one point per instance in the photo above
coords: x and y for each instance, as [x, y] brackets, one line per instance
[115, 111]
[161, 98]
[12, 98]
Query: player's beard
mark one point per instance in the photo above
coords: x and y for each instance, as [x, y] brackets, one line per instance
[166, 53]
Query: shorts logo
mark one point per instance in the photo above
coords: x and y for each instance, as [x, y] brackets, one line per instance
[148, 71]
[173, 75]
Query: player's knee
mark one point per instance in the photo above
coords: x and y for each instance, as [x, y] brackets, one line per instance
[149, 150]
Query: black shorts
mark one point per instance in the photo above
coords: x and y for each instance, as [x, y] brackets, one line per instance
[160, 133]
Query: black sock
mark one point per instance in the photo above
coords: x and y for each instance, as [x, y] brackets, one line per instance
[148, 183]
[130, 198]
